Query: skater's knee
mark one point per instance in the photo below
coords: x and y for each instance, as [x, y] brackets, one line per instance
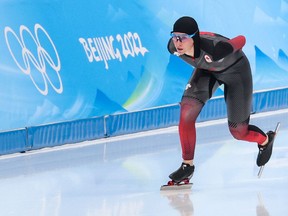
[189, 109]
[238, 133]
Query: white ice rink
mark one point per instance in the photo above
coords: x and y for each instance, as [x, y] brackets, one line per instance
[122, 176]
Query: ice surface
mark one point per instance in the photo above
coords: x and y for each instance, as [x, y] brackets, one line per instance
[122, 176]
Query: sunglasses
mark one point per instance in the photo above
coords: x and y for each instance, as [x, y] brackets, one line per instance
[181, 37]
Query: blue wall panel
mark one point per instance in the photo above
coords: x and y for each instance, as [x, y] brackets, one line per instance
[65, 132]
[13, 141]
[270, 100]
[213, 109]
[132, 122]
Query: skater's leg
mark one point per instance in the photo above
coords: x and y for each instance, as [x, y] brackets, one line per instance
[246, 132]
[238, 96]
[199, 89]
[190, 109]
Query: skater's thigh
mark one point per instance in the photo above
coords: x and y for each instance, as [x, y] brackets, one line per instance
[201, 86]
[238, 93]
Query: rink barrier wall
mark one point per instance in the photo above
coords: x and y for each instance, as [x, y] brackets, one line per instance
[269, 100]
[13, 141]
[36, 137]
[65, 132]
[143, 120]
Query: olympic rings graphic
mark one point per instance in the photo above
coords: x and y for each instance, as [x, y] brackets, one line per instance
[40, 61]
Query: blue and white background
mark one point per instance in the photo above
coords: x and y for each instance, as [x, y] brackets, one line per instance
[66, 60]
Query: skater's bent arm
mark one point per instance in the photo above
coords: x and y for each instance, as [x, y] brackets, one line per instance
[224, 48]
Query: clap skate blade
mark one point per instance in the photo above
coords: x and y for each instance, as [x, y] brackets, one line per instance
[172, 185]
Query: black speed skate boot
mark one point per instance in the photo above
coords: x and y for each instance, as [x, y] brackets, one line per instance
[184, 173]
[265, 151]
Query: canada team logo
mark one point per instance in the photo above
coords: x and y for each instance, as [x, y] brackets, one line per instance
[36, 56]
[208, 59]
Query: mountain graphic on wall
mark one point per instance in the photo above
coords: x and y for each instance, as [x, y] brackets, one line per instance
[283, 59]
[268, 74]
[103, 105]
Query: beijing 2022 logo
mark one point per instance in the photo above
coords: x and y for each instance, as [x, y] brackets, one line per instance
[35, 49]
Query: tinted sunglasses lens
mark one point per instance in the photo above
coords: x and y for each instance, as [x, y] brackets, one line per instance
[181, 37]
[174, 37]
[184, 37]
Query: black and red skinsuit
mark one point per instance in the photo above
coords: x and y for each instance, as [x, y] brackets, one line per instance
[219, 61]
